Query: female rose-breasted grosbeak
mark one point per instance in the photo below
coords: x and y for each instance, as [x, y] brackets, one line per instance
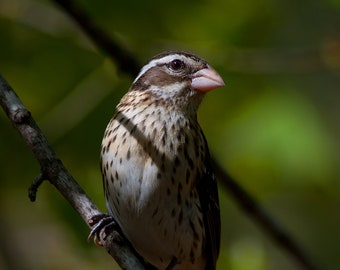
[158, 181]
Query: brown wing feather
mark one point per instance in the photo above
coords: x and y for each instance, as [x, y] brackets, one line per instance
[208, 194]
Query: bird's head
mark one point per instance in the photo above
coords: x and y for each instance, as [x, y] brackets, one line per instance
[176, 78]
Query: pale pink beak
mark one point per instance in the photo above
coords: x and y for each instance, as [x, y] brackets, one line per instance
[206, 79]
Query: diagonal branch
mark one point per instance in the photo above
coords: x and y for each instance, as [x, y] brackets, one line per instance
[125, 61]
[52, 169]
[250, 206]
[244, 200]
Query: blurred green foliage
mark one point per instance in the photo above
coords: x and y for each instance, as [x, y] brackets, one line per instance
[274, 127]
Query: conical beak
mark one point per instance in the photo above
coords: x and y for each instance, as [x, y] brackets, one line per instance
[206, 80]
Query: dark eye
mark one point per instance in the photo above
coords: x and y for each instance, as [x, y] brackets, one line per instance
[177, 65]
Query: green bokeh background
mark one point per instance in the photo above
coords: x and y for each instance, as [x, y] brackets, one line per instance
[274, 127]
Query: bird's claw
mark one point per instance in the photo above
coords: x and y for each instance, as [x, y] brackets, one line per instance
[101, 224]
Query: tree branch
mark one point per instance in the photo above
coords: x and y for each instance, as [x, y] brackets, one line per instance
[125, 60]
[250, 206]
[52, 169]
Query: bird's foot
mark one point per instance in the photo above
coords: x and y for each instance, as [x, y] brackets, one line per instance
[102, 225]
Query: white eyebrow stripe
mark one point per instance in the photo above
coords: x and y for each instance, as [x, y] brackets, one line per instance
[155, 62]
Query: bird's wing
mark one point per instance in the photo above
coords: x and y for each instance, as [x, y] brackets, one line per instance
[208, 195]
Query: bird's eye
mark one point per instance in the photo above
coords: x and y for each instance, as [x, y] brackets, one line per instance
[176, 65]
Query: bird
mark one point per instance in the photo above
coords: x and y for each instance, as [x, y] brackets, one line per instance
[158, 179]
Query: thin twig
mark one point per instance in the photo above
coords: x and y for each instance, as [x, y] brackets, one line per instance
[33, 189]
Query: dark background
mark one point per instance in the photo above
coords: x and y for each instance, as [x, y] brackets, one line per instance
[274, 127]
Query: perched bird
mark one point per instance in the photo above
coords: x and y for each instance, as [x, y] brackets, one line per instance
[157, 176]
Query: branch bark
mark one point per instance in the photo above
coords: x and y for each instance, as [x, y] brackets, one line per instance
[52, 169]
